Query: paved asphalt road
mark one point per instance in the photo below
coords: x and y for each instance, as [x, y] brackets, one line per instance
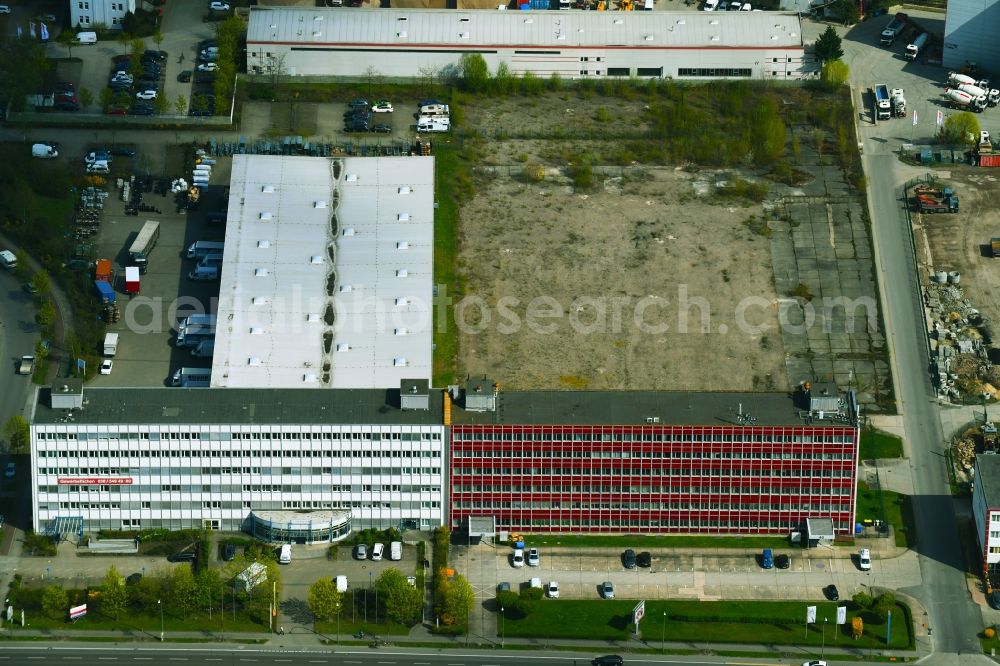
[952, 616]
[385, 656]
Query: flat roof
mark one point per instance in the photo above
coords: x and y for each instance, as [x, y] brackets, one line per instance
[473, 29]
[207, 406]
[327, 273]
[988, 477]
[641, 408]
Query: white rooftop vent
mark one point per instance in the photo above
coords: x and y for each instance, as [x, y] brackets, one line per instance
[403, 245]
[274, 26]
[528, 20]
[774, 38]
[714, 22]
[351, 178]
[260, 272]
[309, 379]
[619, 21]
[681, 22]
[267, 189]
[464, 20]
[463, 35]
[317, 33]
[343, 346]
[254, 330]
[401, 34]
[402, 300]
[402, 272]
[316, 259]
[401, 18]
[254, 361]
[349, 231]
[312, 317]
[400, 331]
[715, 38]
[266, 215]
[403, 217]
[403, 189]
[345, 288]
[263, 244]
[399, 361]
[648, 38]
[319, 204]
[260, 300]
[560, 36]
[580, 30]
[317, 18]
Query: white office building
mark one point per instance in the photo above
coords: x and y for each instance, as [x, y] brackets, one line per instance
[89, 14]
[327, 274]
[970, 34]
[285, 465]
[686, 45]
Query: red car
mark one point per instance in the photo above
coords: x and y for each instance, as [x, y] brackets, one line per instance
[117, 110]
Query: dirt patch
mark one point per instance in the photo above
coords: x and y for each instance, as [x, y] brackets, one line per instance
[634, 285]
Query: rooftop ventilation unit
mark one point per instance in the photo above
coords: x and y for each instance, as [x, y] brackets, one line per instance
[351, 178]
[349, 231]
[528, 20]
[402, 272]
[403, 189]
[317, 33]
[399, 361]
[403, 245]
[319, 204]
[266, 215]
[343, 347]
[312, 317]
[317, 18]
[263, 244]
[681, 22]
[309, 379]
[401, 34]
[714, 38]
[260, 272]
[267, 189]
[560, 36]
[403, 217]
[619, 22]
[254, 361]
[648, 38]
[345, 288]
[402, 300]
[256, 331]
[463, 35]
[400, 331]
[260, 300]
[316, 259]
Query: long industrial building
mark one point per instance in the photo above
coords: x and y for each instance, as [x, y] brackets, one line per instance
[573, 44]
[309, 465]
[970, 34]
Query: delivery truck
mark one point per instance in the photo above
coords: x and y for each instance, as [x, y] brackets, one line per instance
[110, 344]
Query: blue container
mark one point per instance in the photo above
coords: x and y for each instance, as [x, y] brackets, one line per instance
[541, 4]
[858, 528]
[105, 290]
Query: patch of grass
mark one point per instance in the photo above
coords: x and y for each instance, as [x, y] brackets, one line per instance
[898, 512]
[757, 225]
[448, 167]
[572, 382]
[754, 622]
[644, 541]
[878, 444]
[989, 643]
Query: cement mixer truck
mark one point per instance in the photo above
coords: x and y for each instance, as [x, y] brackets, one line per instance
[958, 79]
[898, 103]
[964, 101]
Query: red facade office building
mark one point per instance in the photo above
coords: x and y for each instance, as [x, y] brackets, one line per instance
[654, 462]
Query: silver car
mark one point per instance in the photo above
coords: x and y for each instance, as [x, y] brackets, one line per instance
[608, 590]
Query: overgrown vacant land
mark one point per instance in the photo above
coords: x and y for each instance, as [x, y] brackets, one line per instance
[624, 237]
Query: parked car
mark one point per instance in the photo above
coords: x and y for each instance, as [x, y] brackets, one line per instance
[185, 76]
[208, 57]
[503, 587]
[158, 56]
[831, 592]
[229, 552]
[767, 559]
[865, 559]
[361, 552]
[30, 288]
[782, 561]
[428, 102]
[607, 660]
[116, 110]
[142, 110]
[517, 558]
[63, 86]
[106, 366]
[377, 551]
[553, 591]
[382, 128]
[382, 106]
[644, 559]
[608, 590]
[207, 67]
[814, 662]
[147, 94]
[4, 9]
[10, 471]
[533, 560]
[993, 599]
[218, 6]
[98, 155]
[358, 103]
[628, 558]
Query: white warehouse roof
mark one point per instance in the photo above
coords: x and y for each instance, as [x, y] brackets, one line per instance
[327, 273]
[471, 30]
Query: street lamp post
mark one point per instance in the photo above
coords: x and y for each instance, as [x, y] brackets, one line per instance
[663, 634]
[503, 626]
[823, 648]
[159, 602]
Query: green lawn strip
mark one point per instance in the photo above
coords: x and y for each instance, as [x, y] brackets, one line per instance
[643, 541]
[448, 166]
[752, 622]
[878, 444]
[349, 629]
[898, 512]
[989, 644]
[148, 622]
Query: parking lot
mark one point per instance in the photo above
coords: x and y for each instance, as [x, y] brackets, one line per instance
[686, 576]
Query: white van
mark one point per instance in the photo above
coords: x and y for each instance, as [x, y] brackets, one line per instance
[101, 166]
[435, 110]
[286, 554]
[396, 551]
[341, 583]
[88, 38]
[710, 5]
[377, 550]
[44, 150]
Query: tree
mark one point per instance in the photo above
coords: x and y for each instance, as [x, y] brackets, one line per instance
[147, 591]
[114, 596]
[884, 603]
[106, 98]
[828, 46]
[181, 104]
[41, 282]
[124, 39]
[86, 97]
[528, 600]
[834, 74]
[209, 586]
[161, 104]
[863, 600]
[17, 433]
[324, 599]
[46, 314]
[857, 627]
[503, 80]
[182, 593]
[959, 128]
[475, 72]
[459, 600]
[67, 39]
[55, 601]
[402, 600]
[158, 38]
